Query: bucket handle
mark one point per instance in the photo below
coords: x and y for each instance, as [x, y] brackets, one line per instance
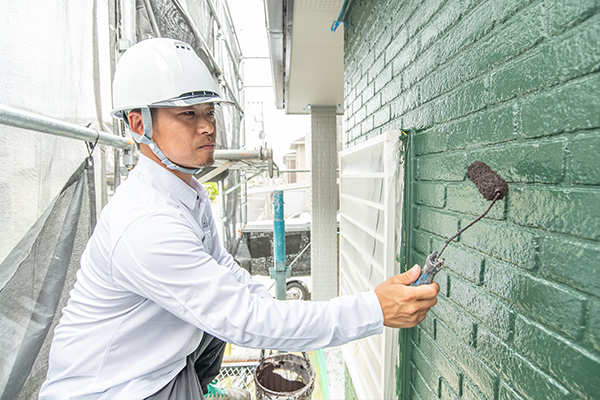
[262, 355]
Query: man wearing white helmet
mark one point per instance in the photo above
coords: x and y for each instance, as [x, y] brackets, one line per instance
[157, 294]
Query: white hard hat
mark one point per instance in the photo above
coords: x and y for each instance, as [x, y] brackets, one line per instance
[161, 72]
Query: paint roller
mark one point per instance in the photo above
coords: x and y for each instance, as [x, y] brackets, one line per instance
[493, 188]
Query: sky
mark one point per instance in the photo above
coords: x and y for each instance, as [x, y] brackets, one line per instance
[279, 129]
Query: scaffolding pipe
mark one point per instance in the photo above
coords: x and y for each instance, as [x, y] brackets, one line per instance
[128, 24]
[239, 155]
[27, 120]
[279, 272]
[244, 185]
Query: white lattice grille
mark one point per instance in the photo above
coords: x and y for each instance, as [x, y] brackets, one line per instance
[370, 189]
[238, 375]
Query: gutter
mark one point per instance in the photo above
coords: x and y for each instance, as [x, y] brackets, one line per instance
[279, 17]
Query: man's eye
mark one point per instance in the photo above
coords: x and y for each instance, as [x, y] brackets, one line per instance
[188, 113]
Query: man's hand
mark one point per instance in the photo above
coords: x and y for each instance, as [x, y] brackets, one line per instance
[405, 306]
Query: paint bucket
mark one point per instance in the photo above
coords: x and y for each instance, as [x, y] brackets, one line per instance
[284, 376]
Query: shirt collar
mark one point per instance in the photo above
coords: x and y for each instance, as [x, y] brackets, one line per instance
[169, 183]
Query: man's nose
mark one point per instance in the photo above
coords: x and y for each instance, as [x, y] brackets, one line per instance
[205, 125]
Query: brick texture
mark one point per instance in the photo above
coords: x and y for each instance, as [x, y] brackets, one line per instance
[515, 84]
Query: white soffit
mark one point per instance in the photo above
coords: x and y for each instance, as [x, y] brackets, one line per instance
[317, 56]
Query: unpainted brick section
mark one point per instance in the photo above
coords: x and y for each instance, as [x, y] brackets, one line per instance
[515, 84]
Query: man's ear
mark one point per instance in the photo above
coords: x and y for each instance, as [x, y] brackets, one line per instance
[136, 122]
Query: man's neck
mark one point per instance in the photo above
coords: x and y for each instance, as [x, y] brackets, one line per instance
[145, 150]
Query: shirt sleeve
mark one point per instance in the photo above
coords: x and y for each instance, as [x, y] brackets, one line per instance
[161, 258]
[222, 256]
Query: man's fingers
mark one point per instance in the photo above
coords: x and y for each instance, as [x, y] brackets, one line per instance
[408, 277]
[427, 304]
[405, 306]
[425, 292]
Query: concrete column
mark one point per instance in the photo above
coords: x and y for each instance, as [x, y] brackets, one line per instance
[324, 203]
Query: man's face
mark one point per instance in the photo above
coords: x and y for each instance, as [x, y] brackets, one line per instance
[186, 135]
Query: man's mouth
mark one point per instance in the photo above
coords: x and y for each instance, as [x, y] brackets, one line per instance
[208, 146]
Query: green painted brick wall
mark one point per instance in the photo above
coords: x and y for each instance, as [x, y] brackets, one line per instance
[516, 84]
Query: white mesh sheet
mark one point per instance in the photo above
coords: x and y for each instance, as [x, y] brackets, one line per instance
[55, 61]
[35, 279]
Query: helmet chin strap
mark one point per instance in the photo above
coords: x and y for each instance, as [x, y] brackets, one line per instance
[146, 139]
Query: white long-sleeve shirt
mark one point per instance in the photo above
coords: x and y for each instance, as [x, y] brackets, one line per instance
[154, 276]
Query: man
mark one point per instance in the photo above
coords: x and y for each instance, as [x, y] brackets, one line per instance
[157, 294]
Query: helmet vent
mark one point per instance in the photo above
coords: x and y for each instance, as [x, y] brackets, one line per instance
[183, 46]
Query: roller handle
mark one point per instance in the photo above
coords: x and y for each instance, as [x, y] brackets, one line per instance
[432, 266]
